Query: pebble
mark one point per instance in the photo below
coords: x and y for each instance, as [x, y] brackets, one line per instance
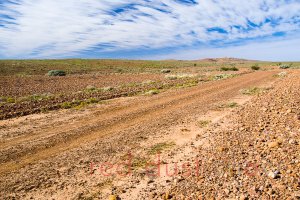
[273, 175]
[292, 141]
[167, 195]
[227, 191]
[297, 194]
[112, 197]
[273, 144]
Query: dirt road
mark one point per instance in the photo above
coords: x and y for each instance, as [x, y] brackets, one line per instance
[48, 155]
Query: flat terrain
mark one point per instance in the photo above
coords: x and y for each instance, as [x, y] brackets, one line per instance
[28, 90]
[238, 137]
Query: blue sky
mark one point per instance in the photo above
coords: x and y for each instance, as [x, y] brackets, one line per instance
[150, 29]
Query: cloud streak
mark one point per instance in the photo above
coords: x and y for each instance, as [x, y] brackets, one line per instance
[282, 50]
[42, 28]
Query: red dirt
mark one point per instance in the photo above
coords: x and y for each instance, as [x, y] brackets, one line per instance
[22, 86]
[48, 156]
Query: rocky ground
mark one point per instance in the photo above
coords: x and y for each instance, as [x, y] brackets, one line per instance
[253, 153]
[226, 145]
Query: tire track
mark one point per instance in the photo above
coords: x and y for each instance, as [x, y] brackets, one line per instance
[124, 118]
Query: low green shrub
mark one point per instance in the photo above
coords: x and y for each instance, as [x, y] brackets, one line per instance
[11, 100]
[252, 91]
[229, 69]
[284, 66]
[107, 89]
[56, 73]
[223, 76]
[179, 76]
[255, 67]
[5, 100]
[165, 71]
[232, 104]
[203, 123]
[158, 148]
[92, 100]
[66, 105]
[152, 92]
[78, 104]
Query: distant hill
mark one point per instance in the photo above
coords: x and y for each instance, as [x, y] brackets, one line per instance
[225, 60]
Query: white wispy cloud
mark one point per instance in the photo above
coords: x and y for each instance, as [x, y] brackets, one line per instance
[43, 28]
[280, 50]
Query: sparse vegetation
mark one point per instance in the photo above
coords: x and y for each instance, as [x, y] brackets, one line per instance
[10, 100]
[203, 123]
[229, 69]
[252, 91]
[285, 66]
[232, 104]
[77, 104]
[106, 89]
[4, 100]
[255, 67]
[102, 79]
[281, 75]
[92, 100]
[158, 148]
[56, 73]
[223, 76]
[84, 66]
[179, 76]
[66, 105]
[152, 92]
[91, 88]
[228, 105]
[165, 71]
[187, 84]
[35, 97]
[90, 94]
[139, 162]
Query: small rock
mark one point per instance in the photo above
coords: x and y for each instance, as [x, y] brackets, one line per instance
[177, 180]
[273, 144]
[168, 181]
[153, 195]
[167, 195]
[292, 141]
[227, 191]
[273, 175]
[112, 197]
[243, 197]
[150, 181]
[297, 194]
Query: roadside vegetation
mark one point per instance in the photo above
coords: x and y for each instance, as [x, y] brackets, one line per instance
[223, 76]
[285, 66]
[229, 69]
[84, 66]
[33, 86]
[158, 148]
[24, 105]
[253, 91]
[203, 123]
[255, 67]
[56, 73]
